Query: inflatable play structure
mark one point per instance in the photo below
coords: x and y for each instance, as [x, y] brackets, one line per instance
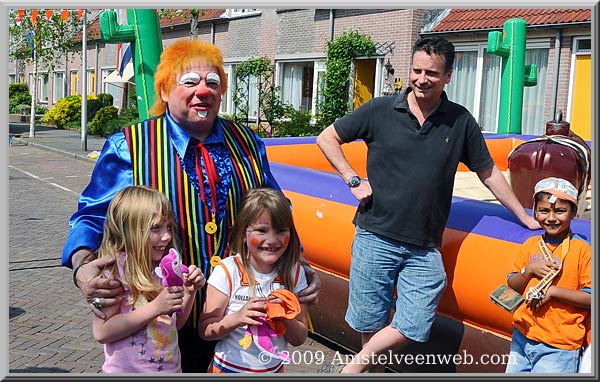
[470, 334]
[479, 243]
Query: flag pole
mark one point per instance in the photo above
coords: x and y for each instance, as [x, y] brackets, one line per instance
[84, 85]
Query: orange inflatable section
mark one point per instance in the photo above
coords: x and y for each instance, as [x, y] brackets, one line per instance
[310, 156]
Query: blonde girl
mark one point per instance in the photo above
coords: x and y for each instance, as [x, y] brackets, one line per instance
[140, 334]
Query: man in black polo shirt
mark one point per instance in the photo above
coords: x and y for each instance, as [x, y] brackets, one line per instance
[415, 142]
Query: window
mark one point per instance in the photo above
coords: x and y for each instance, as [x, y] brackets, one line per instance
[297, 84]
[12, 78]
[114, 89]
[91, 82]
[226, 98]
[43, 87]
[74, 84]
[319, 86]
[58, 86]
[237, 12]
[248, 91]
[476, 79]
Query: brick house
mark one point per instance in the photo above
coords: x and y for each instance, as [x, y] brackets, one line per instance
[295, 40]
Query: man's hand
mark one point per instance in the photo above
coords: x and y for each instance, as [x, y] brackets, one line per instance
[310, 295]
[92, 284]
[529, 222]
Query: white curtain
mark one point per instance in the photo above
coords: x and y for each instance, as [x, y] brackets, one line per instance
[461, 88]
[490, 93]
[533, 97]
[291, 88]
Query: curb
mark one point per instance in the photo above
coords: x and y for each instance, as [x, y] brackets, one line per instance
[58, 151]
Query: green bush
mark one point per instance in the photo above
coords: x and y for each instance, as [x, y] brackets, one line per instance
[296, 124]
[73, 125]
[65, 110]
[17, 88]
[18, 94]
[101, 118]
[129, 114]
[40, 110]
[105, 99]
[93, 105]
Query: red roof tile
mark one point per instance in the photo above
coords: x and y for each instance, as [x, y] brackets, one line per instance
[93, 29]
[473, 19]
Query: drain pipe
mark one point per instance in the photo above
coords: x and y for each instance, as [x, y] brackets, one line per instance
[555, 73]
[331, 18]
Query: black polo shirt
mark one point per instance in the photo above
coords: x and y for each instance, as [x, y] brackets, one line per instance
[411, 168]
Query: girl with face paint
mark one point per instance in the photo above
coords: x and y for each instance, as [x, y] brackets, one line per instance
[265, 256]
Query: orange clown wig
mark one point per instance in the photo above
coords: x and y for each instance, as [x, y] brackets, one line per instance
[176, 59]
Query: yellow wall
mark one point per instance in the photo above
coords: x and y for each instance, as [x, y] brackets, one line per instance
[581, 110]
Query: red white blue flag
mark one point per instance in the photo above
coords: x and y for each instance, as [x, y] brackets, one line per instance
[123, 57]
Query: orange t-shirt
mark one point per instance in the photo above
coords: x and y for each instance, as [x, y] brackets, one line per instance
[556, 323]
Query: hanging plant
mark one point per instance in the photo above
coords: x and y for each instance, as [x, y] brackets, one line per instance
[340, 53]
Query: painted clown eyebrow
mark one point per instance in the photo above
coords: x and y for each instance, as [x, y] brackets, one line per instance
[193, 79]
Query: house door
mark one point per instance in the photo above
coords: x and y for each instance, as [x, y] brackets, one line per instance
[364, 81]
[581, 98]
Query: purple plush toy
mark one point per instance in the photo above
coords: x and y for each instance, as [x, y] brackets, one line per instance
[171, 271]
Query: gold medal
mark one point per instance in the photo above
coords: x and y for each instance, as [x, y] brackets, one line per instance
[210, 228]
[215, 260]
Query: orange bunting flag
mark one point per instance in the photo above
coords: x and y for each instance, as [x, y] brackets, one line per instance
[80, 13]
[21, 13]
[64, 15]
[34, 14]
[49, 13]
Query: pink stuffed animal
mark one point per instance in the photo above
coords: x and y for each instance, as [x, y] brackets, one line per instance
[263, 335]
[171, 271]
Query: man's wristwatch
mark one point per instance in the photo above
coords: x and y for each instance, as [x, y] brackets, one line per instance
[354, 181]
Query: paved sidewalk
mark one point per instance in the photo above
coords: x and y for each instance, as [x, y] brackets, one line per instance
[65, 142]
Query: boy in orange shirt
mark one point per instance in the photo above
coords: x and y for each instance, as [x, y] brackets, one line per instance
[549, 329]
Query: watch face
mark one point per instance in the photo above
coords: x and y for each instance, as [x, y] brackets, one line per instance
[354, 181]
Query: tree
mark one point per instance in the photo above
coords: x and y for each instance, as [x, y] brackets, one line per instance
[36, 36]
[193, 14]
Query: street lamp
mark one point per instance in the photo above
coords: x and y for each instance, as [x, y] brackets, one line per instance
[388, 68]
[389, 73]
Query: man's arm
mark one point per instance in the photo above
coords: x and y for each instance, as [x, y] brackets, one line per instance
[493, 179]
[330, 144]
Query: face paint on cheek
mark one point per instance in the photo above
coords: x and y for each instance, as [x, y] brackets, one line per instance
[254, 242]
[286, 240]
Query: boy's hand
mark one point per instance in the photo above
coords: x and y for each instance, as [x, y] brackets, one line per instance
[536, 304]
[541, 268]
[194, 279]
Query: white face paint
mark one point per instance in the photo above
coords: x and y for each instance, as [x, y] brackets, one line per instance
[191, 79]
[202, 113]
